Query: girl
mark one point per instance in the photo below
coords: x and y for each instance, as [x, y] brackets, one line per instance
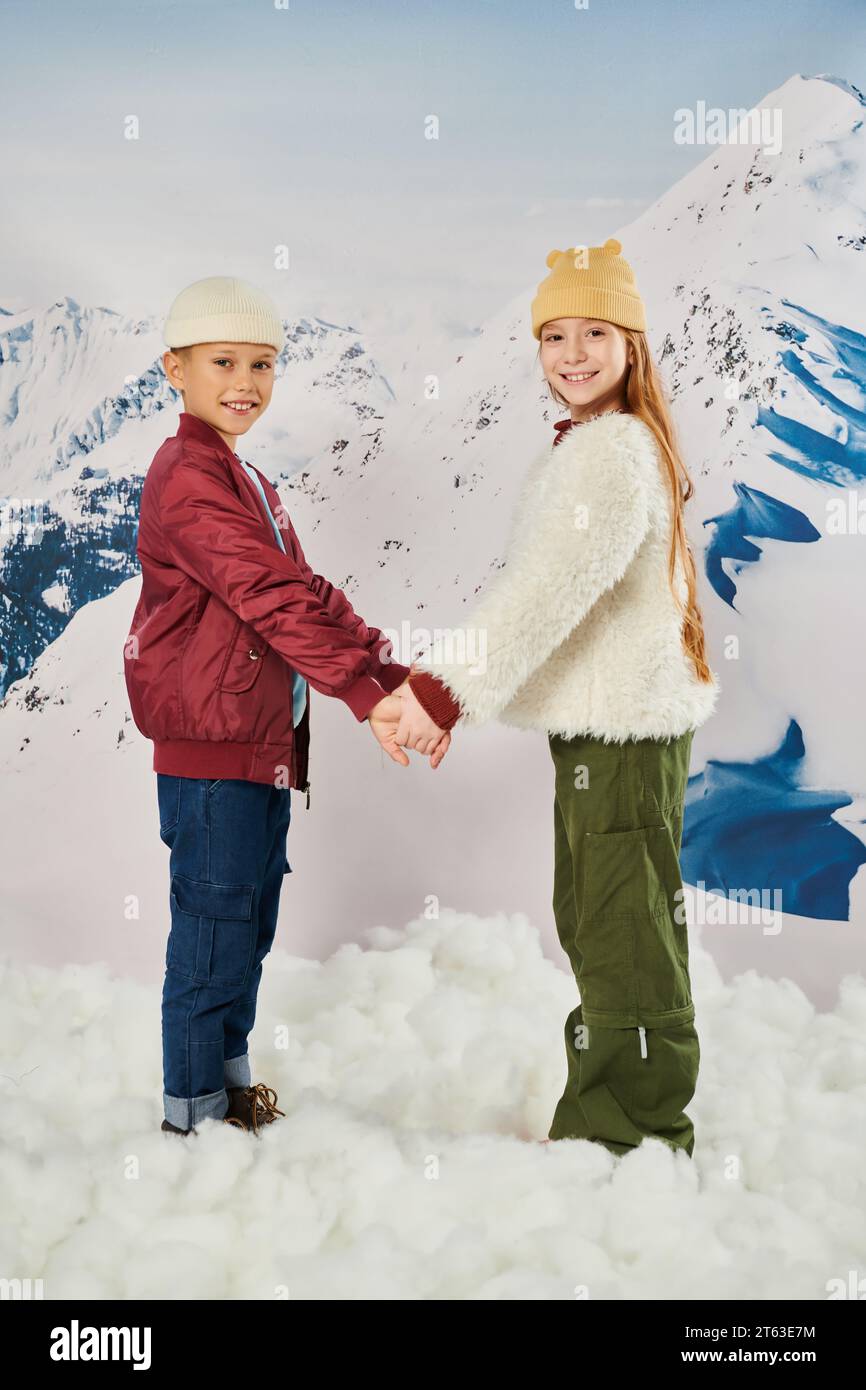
[594, 635]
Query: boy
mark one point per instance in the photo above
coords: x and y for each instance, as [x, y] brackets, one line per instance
[230, 628]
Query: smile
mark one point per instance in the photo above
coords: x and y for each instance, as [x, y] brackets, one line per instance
[240, 407]
[575, 378]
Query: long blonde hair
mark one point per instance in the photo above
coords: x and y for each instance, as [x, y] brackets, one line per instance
[645, 398]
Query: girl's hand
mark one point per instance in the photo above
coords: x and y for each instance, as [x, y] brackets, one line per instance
[416, 730]
[441, 749]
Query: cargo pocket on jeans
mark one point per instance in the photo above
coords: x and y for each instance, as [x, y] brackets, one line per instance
[634, 970]
[211, 937]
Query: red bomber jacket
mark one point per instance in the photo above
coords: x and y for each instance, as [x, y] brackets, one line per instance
[225, 619]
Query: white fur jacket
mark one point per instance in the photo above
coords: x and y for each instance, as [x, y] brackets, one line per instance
[579, 633]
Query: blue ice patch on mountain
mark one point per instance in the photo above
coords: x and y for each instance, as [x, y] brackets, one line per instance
[755, 513]
[837, 456]
[753, 826]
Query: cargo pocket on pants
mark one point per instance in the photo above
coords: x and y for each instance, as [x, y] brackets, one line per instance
[635, 953]
[211, 937]
[665, 1079]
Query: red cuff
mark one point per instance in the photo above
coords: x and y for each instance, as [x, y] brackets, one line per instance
[390, 674]
[436, 699]
[362, 696]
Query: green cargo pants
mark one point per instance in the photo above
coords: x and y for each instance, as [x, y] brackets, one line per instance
[631, 1044]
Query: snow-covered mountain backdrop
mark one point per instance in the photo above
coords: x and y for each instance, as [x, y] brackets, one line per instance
[399, 463]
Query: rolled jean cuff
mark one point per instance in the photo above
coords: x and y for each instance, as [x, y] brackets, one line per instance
[186, 1112]
[237, 1071]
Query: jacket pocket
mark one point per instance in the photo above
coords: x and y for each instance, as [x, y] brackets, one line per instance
[211, 937]
[633, 943]
[245, 657]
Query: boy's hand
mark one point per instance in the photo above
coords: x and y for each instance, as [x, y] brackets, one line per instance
[384, 720]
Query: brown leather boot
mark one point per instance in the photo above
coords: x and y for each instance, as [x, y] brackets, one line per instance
[252, 1106]
[173, 1129]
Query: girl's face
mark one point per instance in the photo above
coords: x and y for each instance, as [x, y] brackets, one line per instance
[586, 361]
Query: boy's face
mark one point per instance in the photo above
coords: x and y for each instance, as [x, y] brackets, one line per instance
[593, 353]
[228, 385]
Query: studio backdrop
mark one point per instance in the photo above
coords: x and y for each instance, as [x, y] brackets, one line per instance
[402, 239]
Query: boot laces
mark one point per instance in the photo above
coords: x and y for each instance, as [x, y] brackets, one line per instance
[263, 1107]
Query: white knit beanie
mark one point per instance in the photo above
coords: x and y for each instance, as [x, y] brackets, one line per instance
[222, 309]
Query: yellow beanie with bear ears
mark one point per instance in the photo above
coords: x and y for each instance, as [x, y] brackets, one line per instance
[589, 282]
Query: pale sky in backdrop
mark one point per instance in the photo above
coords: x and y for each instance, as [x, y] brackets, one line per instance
[305, 127]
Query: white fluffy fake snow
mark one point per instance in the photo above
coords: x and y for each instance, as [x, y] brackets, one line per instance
[417, 1075]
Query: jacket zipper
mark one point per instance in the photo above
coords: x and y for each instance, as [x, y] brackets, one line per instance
[306, 786]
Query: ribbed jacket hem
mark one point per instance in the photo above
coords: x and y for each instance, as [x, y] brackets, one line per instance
[249, 762]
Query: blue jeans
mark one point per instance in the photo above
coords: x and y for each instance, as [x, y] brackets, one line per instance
[227, 839]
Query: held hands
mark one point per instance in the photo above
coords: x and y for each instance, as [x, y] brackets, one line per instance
[399, 721]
